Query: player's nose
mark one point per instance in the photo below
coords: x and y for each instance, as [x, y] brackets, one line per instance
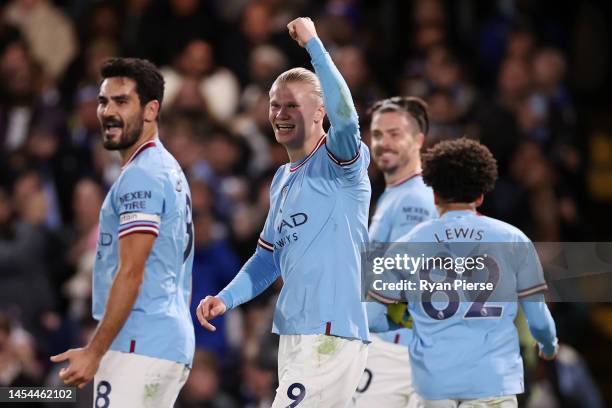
[282, 113]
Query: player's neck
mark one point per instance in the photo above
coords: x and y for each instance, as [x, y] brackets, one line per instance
[148, 133]
[410, 170]
[297, 153]
[446, 207]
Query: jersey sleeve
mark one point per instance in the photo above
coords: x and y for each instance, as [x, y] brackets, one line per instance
[541, 323]
[343, 142]
[258, 272]
[139, 202]
[254, 277]
[530, 276]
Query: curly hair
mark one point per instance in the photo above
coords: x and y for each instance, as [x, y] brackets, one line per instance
[459, 170]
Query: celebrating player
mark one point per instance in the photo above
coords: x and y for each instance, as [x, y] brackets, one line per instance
[312, 236]
[142, 349]
[466, 354]
[398, 130]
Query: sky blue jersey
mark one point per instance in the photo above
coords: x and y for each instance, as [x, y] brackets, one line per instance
[400, 208]
[316, 226]
[470, 350]
[150, 196]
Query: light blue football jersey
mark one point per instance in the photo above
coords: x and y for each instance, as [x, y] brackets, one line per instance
[150, 196]
[316, 226]
[401, 207]
[469, 350]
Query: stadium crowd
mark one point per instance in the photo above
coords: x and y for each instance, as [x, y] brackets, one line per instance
[515, 75]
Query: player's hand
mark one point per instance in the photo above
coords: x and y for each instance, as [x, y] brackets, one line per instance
[209, 308]
[548, 356]
[398, 314]
[83, 366]
[301, 30]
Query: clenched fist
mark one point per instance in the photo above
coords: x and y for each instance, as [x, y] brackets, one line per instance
[301, 30]
[209, 308]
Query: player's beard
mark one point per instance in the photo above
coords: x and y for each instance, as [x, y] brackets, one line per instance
[130, 133]
[398, 162]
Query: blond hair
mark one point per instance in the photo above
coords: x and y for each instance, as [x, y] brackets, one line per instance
[300, 75]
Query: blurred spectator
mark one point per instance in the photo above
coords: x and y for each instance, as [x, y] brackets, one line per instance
[18, 367]
[351, 63]
[257, 28]
[100, 20]
[23, 248]
[564, 382]
[260, 372]
[202, 388]
[266, 62]
[82, 238]
[85, 70]
[254, 128]
[214, 265]
[168, 25]
[44, 27]
[195, 83]
[22, 103]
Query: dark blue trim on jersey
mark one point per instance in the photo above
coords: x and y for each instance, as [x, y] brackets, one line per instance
[265, 244]
[342, 163]
[305, 159]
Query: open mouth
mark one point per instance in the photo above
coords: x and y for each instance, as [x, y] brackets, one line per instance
[284, 127]
[112, 127]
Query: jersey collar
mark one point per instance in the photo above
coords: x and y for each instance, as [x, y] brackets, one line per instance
[402, 181]
[305, 159]
[141, 148]
[459, 213]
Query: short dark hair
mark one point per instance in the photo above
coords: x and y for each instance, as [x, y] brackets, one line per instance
[413, 106]
[459, 170]
[149, 81]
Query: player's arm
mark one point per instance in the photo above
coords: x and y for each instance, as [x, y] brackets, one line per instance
[378, 318]
[257, 274]
[530, 290]
[541, 325]
[343, 139]
[134, 249]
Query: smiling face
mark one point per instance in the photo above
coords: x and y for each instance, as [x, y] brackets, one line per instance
[120, 113]
[294, 111]
[396, 141]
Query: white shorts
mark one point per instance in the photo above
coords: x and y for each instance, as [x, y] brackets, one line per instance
[497, 402]
[133, 380]
[387, 379]
[315, 370]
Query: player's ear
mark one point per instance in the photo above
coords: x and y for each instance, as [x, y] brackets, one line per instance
[479, 201]
[151, 110]
[319, 114]
[420, 140]
[436, 198]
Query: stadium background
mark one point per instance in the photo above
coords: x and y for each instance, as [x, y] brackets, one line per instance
[530, 79]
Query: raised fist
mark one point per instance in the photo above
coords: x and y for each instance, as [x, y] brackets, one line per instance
[301, 30]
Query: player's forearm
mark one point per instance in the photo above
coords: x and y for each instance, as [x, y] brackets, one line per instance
[123, 294]
[343, 140]
[541, 323]
[257, 274]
